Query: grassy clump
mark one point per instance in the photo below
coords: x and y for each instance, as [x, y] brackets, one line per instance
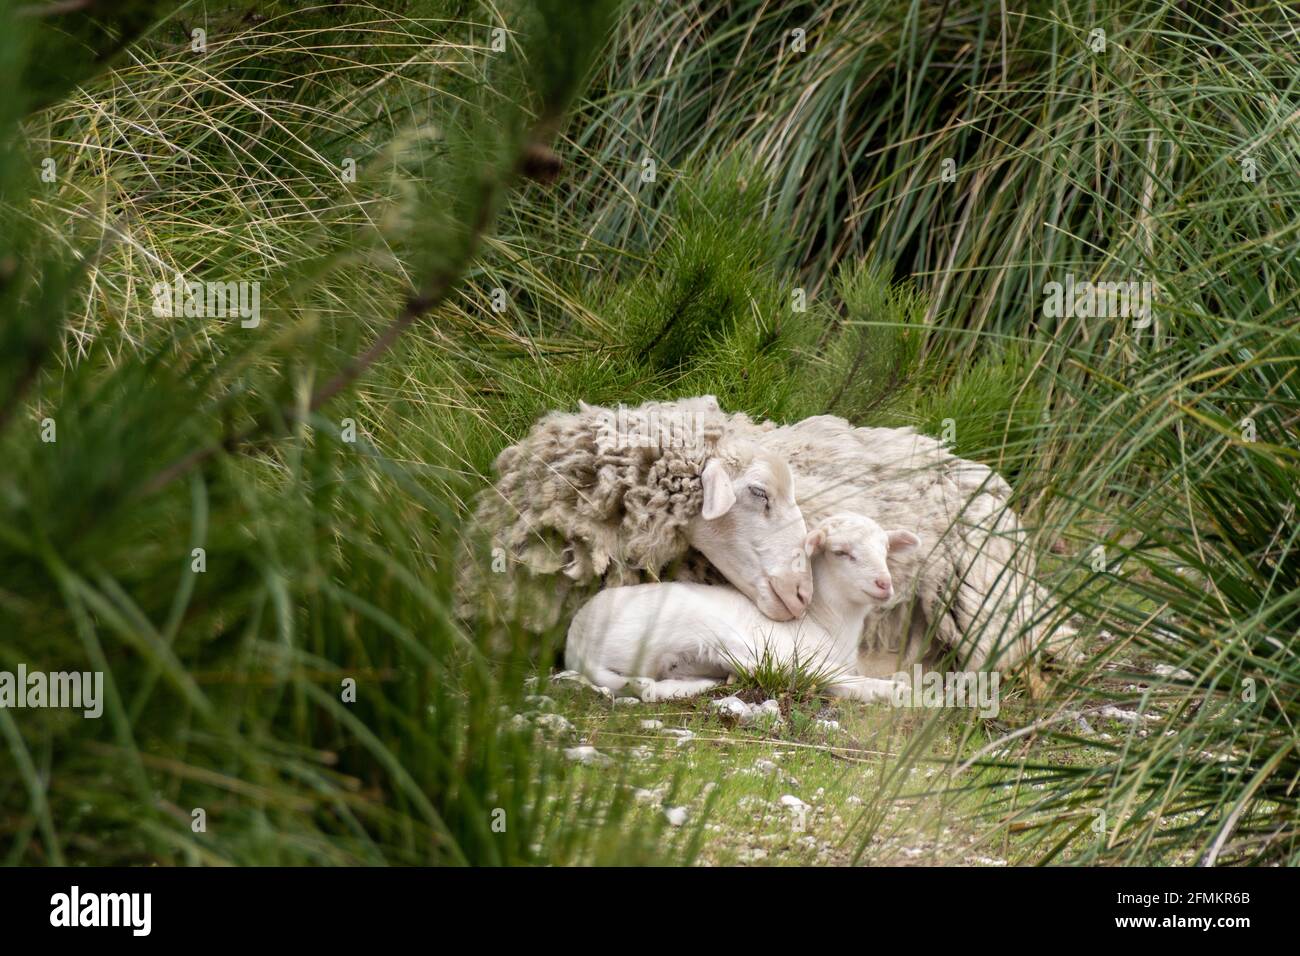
[788, 679]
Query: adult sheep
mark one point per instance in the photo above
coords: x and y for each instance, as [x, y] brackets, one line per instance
[615, 496]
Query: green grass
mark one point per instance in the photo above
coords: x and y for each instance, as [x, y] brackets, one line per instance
[782, 179]
[861, 801]
[774, 676]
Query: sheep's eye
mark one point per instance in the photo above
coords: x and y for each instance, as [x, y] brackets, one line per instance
[844, 554]
[758, 492]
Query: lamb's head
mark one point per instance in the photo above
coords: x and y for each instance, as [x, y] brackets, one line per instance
[752, 530]
[850, 555]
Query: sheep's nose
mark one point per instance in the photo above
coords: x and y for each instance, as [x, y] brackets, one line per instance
[804, 593]
[884, 584]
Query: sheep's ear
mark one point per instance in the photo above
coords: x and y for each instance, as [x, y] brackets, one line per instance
[901, 542]
[719, 496]
[711, 401]
[816, 540]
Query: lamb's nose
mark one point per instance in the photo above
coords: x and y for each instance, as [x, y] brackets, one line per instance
[884, 584]
[804, 593]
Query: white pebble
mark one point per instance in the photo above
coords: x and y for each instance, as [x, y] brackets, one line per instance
[732, 707]
[587, 755]
[556, 724]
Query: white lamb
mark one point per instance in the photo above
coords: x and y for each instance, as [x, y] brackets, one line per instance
[678, 639]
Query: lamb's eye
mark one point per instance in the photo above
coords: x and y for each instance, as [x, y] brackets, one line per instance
[844, 554]
[758, 492]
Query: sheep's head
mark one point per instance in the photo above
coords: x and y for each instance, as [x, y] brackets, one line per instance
[850, 558]
[752, 531]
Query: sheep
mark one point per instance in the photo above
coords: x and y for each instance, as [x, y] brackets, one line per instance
[568, 498]
[678, 639]
[614, 495]
[973, 594]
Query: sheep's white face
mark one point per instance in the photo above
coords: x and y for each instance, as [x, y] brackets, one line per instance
[851, 553]
[752, 530]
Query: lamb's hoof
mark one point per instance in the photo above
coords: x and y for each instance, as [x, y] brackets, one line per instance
[642, 687]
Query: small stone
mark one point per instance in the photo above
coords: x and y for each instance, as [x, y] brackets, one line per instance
[557, 725]
[1126, 716]
[676, 815]
[730, 707]
[587, 755]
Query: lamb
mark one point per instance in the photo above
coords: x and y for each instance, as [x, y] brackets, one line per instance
[571, 498]
[679, 639]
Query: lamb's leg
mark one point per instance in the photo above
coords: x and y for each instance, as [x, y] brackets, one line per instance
[652, 690]
[869, 690]
[612, 681]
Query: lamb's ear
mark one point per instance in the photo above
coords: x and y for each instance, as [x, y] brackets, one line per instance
[815, 541]
[901, 542]
[719, 496]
